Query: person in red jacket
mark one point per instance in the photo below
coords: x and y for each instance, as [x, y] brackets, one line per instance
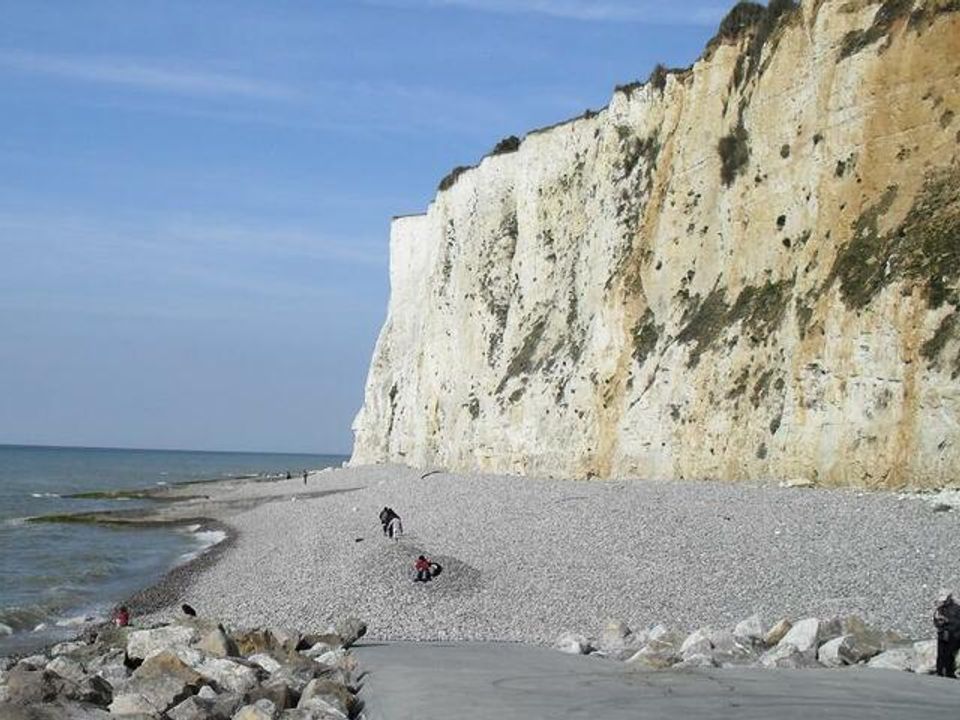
[422, 566]
[122, 616]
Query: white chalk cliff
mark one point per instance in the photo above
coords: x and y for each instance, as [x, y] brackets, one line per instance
[744, 270]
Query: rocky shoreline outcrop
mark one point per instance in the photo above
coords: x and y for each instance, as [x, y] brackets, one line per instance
[191, 669]
[808, 643]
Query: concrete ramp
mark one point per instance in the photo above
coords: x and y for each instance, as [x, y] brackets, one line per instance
[482, 681]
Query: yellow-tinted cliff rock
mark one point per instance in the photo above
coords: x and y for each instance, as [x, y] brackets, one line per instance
[745, 270]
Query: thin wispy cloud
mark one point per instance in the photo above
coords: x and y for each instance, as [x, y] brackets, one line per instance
[639, 11]
[142, 75]
[185, 268]
[193, 240]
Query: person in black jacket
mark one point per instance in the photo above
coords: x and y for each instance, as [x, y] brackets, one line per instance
[946, 618]
[386, 516]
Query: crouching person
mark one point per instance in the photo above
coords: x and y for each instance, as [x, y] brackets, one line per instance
[422, 566]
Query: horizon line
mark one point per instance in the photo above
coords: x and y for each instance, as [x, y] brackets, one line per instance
[165, 449]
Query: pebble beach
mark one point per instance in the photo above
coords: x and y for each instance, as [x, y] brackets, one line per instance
[525, 560]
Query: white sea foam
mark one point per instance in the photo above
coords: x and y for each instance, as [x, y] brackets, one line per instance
[206, 539]
[44, 495]
[76, 621]
[5, 630]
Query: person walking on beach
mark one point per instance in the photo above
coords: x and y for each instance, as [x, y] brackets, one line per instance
[395, 528]
[386, 515]
[946, 618]
[422, 566]
[304, 477]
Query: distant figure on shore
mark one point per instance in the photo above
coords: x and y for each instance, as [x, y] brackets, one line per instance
[946, 618]
[305, 477]
[422, 566]
[289, 476]
[122, 617]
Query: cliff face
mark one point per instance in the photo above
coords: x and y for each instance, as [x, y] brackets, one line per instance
[748, 269]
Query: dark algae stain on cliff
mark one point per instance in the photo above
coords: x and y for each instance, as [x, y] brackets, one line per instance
[704, 323]
[522, 362]
[393, 409]
[734, 149]
[861, 266]
[948, 331]
[646, 333]
[924, 250]
[760, 308]
[887, 16]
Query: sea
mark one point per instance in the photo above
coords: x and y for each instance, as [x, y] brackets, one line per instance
[56, 577]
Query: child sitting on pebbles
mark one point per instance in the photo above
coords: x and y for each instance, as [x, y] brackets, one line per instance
[424, 571]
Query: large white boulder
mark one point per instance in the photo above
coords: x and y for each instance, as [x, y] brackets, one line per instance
[776, 633]
[697, 643]
[141, 644]
[925, 657]
[659, 653]
[731, 650]
[267, 662]
[836, 653]
[803, 636]
[573, 644]
[750, 629]
[67, 668]
[898, 658]
[786, 655]
[260, 710]
[228, 675]
[615, 636]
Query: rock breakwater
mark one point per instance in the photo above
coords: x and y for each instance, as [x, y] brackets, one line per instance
[193, 669]
[807, 643]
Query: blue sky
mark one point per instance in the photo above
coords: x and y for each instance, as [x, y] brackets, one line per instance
[195, 196]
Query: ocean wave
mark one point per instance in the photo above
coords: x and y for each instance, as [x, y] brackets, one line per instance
[78, 620]
[45, 495]
[206, 539]
[19, 618]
